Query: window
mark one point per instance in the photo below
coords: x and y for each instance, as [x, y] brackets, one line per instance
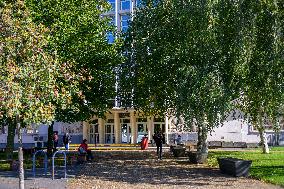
[124, 19]
[110, 37]
[112, 3]
[159, 119]
[138, 3]
[112, 20]
[110, 121]
[124, 115]
[141, 120]
[94, 134]
[3, 129]
[124, 4]
[109, 133]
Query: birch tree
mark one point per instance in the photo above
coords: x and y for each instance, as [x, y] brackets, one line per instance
[262, 70]
[197, 57]
[182, 55]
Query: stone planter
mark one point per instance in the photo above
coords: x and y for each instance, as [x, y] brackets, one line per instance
[178, 151]
[199, 158]
[235, 167]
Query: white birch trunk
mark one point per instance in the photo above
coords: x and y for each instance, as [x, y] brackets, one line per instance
[263, 140]
[202, 146]
[21, 159]
[262, 134]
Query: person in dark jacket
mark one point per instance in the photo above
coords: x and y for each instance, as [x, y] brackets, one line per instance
[66, 140]
[55, 141]
[158, 138]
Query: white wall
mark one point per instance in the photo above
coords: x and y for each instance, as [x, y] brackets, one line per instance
[234, 130]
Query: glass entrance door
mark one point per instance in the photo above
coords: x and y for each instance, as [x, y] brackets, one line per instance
[125, 131]
[142, 128]
[94, 134]
[109, 133]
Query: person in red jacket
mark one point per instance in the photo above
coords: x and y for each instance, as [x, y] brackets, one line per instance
[83, 149]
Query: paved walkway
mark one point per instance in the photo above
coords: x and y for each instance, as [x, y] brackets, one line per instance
[9, 179]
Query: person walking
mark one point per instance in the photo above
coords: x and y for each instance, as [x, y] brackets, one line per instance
[66, 140]
[158, 138]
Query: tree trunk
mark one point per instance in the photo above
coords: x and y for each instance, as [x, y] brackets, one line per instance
[21, 169]
[21, 158]
[262, 134]
[10, 138]
[277, 137]
[50, 140]
[263, 141]
[202, 146]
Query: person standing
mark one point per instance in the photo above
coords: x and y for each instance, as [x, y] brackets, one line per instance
[66, 140]
[55, 140]
[178, 140]
[158, 138]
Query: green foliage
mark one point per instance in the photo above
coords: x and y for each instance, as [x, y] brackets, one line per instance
[183, 55]
[28, 72]
[266, 167]
[78, 35]
[262, 64]
[204, 58]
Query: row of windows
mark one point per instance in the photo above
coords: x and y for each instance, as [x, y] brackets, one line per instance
[124, 23]
[123, 4]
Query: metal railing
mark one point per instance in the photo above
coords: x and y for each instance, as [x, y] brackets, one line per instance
[53, 157]
[45, 162]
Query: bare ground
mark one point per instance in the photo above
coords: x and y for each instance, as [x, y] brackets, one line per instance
[155, 174]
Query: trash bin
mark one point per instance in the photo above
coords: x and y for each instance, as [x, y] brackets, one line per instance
[144, 143]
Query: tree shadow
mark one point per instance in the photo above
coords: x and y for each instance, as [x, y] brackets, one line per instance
[154, 172]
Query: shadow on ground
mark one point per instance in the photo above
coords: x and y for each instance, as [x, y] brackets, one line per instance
[154, 172]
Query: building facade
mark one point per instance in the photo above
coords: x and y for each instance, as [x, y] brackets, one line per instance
[120, 126]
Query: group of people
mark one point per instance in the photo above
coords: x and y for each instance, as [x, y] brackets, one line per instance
[83, 148]
[66, 140]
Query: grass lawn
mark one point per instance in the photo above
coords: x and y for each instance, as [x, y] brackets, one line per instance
[266, 167]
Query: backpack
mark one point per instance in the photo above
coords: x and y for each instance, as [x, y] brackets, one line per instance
[81, 150]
